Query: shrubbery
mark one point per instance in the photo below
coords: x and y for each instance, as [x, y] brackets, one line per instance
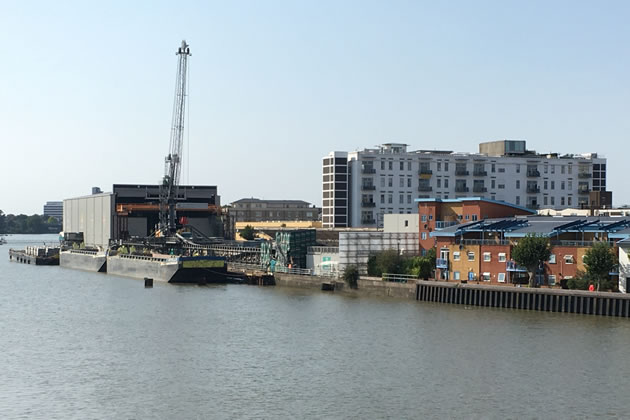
[390, 261]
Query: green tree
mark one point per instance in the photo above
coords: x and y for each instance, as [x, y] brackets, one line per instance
[599, 260]
[388, 261]
[3, 221]
[531, 252]
[248, 233]
[351, 276]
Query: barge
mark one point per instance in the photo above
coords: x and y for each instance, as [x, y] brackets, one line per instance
[35, 255]
[81, 259]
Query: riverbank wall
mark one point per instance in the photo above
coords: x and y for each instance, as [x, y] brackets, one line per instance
[546, 300]
[365, 286]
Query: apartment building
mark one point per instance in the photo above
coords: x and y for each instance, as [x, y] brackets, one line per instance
[360, 187]
[54, 209]
[481, 251]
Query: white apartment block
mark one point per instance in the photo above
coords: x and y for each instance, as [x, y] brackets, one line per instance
[360, 187]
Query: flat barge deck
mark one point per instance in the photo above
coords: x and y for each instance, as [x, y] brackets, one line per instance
[35, 255]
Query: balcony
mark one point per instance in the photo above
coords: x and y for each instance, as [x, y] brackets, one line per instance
[512, 266]
[585, 175]
[370, 221]
[368, 204]
[441, 263]
[533, 206]
[444, 225]
[533, 173]
[533, 189]
[461, 172]
[425, 172]
[480, 189]
[460, 188]
[583, 189]
[480, 173]
[425, 188]
[368, 187]
[368, 171]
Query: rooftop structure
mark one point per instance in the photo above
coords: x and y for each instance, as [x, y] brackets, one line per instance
[360, 187]
[257, 210]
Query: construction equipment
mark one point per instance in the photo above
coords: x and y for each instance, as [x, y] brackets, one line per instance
[172, 166]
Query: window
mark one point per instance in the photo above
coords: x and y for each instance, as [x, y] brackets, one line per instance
[553, 185]
[518, 169]
[408, 182]
[569, 184]
[562, 184]
[471, 256]
[546, 168]
[390, 165]
[502, 257]
[467, 217]
[492, 184]
[446, 166]
[383, 182]
[424, 217]
[456, 256]
[569, 201]
[474, 217]
[382, 198]
[501, 186]
[562, 201]
[553, 169]
[406, 223]
[401, 182]
[401, 199]
[568, 259]
[408, 166]
[382, 165]
[546, 199]
[518, 200]
[552, 259]
[408, 198]
[501, 170]
[402, 165]
[551, 279]
[485, 276]
[492, 167]
[456, 275]
[390, 182]
[518, 184]
[501, 277]
[487, 256]
[439, 166]
[439, 183]
[561, 169]
[545, 184]
[424, 235]
[553, 201]
[445, 184]
[389, 198]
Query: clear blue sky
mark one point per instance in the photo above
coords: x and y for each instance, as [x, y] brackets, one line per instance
[87, 88]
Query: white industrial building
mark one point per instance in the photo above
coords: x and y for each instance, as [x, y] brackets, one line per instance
[624, 265]
[360, 187]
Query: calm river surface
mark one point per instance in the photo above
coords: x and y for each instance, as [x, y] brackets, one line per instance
[87, 345]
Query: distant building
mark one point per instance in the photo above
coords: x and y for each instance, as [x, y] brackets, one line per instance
[624, 265]
[360, 187]
[54, 209]
[257, 210]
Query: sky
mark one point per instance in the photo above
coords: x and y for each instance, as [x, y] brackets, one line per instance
[86, 89]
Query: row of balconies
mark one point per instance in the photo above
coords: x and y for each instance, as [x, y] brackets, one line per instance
[531, 189]
[531, 173]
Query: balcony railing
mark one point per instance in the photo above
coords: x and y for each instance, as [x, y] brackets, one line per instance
[512, 266]
[444, 225]
[533, 189]
[461, 172]
[585, 244]
[484, 242]
[368, 187]
[368, 204]
[368, 171]
[441, 263]
[461, 189]
[480, 189]
[480, 173]
[425, 172]
[584, 175]
[533, 173]
[425, 188]
[368, 221]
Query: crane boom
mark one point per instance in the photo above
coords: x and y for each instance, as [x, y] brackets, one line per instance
[172, 163]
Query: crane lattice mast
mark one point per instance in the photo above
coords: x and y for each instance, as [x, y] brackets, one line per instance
[172, 164]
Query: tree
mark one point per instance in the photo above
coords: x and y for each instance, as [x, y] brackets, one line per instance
[248, 233]
[388, 261]
[2, 222]
[351, 276]
[531, 252]
[599, 260]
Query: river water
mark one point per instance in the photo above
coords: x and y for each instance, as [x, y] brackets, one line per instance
[86, 345]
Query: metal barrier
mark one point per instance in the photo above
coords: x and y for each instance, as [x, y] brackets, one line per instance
[398, 278]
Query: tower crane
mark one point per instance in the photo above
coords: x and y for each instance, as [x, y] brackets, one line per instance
[172, 163]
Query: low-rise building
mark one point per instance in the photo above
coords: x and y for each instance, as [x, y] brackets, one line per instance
[481, 250]
[257, 210]
[624, 265]
[54, 209]
[436, 214]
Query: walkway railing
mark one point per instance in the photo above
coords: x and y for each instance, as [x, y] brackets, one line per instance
[398, 278]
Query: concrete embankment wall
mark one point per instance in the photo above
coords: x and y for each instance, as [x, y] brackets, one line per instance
[366, 286]
[549, 300]
[83, 261]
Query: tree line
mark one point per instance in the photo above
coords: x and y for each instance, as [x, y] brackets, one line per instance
[21, 223]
